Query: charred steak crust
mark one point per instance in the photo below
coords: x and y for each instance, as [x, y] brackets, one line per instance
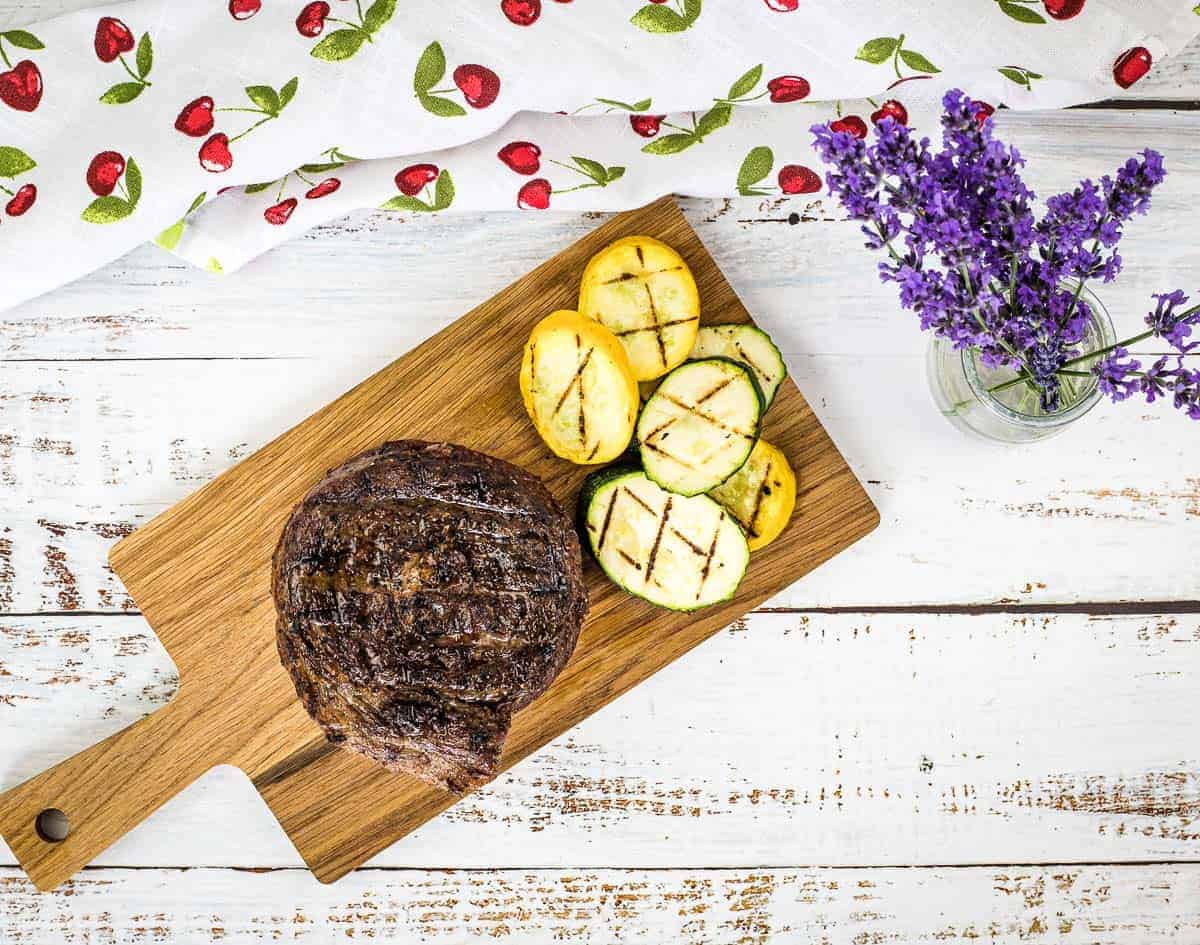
[425, 592]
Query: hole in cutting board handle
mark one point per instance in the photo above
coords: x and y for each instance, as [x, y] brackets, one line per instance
[52, 825]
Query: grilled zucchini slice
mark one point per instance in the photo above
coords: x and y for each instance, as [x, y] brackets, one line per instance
[642, 291]
[699, 426]
[578, 388]
[751, 346]
[761, 495]
[674, 551]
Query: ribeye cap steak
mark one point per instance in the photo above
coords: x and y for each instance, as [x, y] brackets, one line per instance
[426, 592]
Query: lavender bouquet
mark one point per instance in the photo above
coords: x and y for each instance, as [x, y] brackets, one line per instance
[970, 258]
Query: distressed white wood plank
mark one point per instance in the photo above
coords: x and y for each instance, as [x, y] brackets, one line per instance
[371, 286]
[1096, 905]
[1107, 512]
[101, 450]
[828, 739]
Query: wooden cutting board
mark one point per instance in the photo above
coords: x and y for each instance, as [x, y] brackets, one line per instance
[200, 573]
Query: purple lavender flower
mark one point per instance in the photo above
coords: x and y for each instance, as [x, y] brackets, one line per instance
[1119, 374]
[1174, 327]
[970, 259]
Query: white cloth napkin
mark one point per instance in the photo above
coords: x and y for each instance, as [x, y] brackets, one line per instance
[114, 120]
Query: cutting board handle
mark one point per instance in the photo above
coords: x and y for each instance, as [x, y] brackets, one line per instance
[107, 790]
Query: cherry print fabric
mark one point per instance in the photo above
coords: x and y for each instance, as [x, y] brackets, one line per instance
[221, 128]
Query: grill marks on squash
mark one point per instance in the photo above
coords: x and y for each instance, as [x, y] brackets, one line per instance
[658, 325]
[576, 384]
[643, 292]
[654, 438]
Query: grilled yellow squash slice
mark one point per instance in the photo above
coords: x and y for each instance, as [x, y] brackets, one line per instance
[761, 495]
[578, 388]
[644, 293]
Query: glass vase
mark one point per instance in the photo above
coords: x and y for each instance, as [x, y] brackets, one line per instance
[964, 389]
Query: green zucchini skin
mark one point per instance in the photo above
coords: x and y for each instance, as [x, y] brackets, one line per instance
[715, 543]
[720, 340]
[650, 463]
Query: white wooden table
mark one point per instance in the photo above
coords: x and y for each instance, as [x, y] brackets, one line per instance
[979, 723]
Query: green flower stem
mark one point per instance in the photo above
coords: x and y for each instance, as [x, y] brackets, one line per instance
[282, 184]
[686, 131]
[1103, 351]
[7, 191]
[896, 56]
[241, 108]
[4, 55]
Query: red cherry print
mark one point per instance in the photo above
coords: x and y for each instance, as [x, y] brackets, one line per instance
[521, 156]
[788, 88]
[891, 109]
[783, 6]
[112, 38]
[658, 1]
[278, 214]
[851, 124]
[534, 195]
[522, 12]
[478, 84]
[983, 111]
[21, 86]
[323, 189]
[1063, 9]
[196, 118]
[797, 179]
[1131, 65]
[104, 171]
[311, 20]
[244, 9]
[646, 125]
[413, 179]
[215, 155]
[22, 200]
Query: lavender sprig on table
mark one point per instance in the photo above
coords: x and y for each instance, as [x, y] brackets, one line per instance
[969, 257]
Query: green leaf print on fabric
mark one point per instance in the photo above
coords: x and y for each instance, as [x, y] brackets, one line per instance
[14, 161]
[881, 49]
[658, 18]
[107, 210]
[1022, 14]
[755, 167]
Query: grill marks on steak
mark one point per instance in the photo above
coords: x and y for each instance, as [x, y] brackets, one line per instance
[425, 593]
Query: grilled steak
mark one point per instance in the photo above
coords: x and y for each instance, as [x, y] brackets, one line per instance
[425, 592]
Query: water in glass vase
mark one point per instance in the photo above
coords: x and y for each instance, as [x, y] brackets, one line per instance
[994, 403]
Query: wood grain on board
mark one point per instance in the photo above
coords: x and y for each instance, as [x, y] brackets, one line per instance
[201, 575]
